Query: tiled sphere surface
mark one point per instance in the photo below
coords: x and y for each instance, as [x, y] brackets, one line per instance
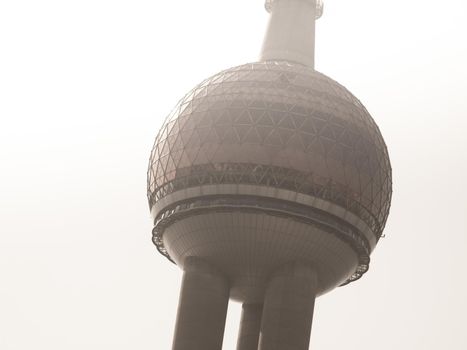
[295, 126]
[275, 124]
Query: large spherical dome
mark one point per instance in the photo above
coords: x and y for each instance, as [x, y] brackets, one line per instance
[278, 139]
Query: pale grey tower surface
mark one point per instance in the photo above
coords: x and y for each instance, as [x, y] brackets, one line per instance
[269, 184]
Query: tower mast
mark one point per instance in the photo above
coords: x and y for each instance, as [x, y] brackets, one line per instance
[290, 35]
[269, 184]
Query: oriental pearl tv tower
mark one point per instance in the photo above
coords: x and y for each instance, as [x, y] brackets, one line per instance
[269, 184]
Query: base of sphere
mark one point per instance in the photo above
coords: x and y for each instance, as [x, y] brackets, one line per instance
[247, 247]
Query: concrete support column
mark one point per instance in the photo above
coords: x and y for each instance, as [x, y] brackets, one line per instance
[288, 308]
[202, 308]
[250, 324]
[291, 32]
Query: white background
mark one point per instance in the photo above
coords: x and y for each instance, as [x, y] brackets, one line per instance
[84, 87]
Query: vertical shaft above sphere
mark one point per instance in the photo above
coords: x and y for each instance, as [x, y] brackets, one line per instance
[291, 31]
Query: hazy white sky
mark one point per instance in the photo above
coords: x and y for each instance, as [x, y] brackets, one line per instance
[84, 87]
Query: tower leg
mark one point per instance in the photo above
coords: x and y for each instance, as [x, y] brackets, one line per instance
[202, 308]
[288, 309]
[250, 324]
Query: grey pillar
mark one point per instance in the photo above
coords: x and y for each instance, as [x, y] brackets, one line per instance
[250, 324]
[291, 32]
[288, 308]
[202, 308]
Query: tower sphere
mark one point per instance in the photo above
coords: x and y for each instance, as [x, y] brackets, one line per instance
[266, 163]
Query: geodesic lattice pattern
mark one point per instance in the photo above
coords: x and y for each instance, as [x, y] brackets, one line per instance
[275, 124]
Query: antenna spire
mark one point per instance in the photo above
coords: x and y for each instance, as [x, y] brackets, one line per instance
[290, 35]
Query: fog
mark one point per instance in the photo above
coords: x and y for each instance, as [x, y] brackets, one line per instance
[84, 87]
